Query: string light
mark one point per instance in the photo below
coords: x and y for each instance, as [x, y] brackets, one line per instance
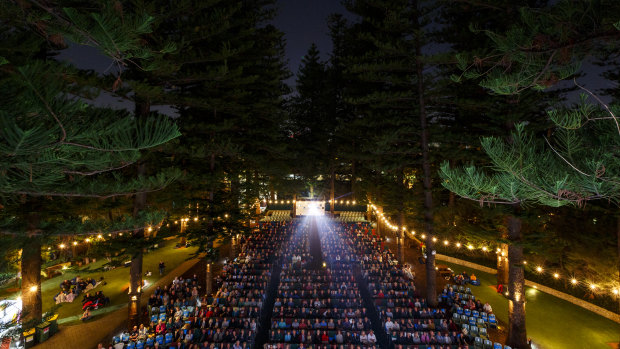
[99, 236]
[61, 245]
[75, 243]
[87, 240]
[539, 269]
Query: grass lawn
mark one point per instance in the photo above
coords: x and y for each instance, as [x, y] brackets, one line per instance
[551, 322]
[117, 279]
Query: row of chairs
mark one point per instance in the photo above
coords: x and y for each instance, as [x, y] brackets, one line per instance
[149, 342]
[277, 216]
[487, 344]
[466, 316]
[458, 288]
[350, 216]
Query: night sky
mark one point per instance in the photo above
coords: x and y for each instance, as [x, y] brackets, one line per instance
[305, 22]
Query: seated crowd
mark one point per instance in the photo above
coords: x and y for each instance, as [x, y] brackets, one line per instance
[183, 317]
[70, 289]
[318, 305]
[327, 281]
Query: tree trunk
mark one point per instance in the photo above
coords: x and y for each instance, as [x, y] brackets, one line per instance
[353, 177]
[431, 281]
[400, 235]
[517, 336]
[32, 307]
[502, 264]
[332, 195]
[618, 258]
[135, 269]
[209, 282]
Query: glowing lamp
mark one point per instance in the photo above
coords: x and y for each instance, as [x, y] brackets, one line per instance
[150, 229]
[445, 242]
[615, 291]
[470, 247]
[539, 269]
[99, 236]
[195, 219]
[573, 281]
[423, 236]
[87, 240]
[524, 262]
[592, 286]
[61, 245]
[556, 275]
[458, 244]
[484, 248]
[75, 243]
[33, 288]
[434, 239]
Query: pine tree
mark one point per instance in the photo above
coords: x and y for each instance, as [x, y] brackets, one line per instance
[55, 145]
[470, 112]
[394, 101]
[546, 46]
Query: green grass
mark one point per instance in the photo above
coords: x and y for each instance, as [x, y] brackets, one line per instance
[117, 280]
[551, 322]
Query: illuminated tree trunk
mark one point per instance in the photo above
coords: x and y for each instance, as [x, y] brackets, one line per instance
[209, 285]
[331, 192]
[400, 235]
[32, 307]
[502, 264]
[517, 336]
[135, 269]
[353, 177]
[618, 259]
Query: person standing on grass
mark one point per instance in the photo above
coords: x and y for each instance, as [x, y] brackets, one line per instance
[162, 267]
